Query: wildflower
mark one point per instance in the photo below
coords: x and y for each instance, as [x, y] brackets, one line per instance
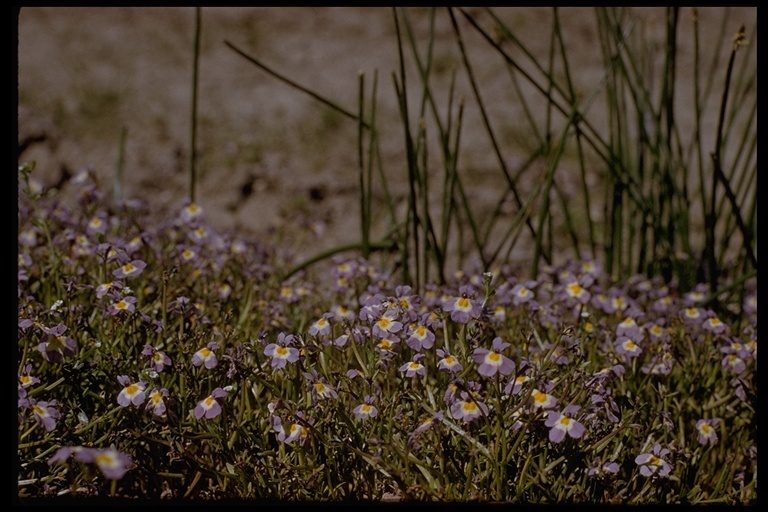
[750, 304]
[112, 463]
[696, 295]
[492, 361]
[319, 388]
[387, 324]
[629, 328]
[125, 304]
[342, 314]
[209, 406]
[706, 430]
[55, 346]
[523, 293]
[627, 347]
[132, 393]
[662, 305]
[464, 307]
[156, 402]
[514, 386]
[96, 226]
[188, 254]
[158, 360]
[296, 431]
[652, 463]
[280, 352]
[386, 345]
[599, 469]
[419, 336]
[574, 291]
[448, 362]
[341, 339]
[206, 356]
[468, 408]
[543, 400]
[657, 331]
[428, 423]
[414, 367]
[131, 269]
[366, 409]
[191, 212]
[661, 362]
[691, 315]
[563, 423]
[733, 363]
[224, 291]
[26, 379]
[352, 373]
[45, 413]
[321, 327]
[105, 288]
[714, 325]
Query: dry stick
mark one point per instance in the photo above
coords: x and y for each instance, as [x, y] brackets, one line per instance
[738, 41]
[486, 122]
[293, 84]
[413, 213]
[193, 128]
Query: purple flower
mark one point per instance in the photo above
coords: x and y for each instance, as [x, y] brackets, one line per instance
[191, 212]
[281, 352]
[158, 360]
[514, 386]
[468, 408]
[112, 463]
[448, 362]
[320, 389]
[629, 328]
[419, 336]
[652, 463]
[413, 368]
[706, 430]
[55, 346]
[714, 325]
[131, 269]
[132, 393]
[492, 361]
[387, 324]
[523, 293]
[321, 327]
[734, 364]
[125, 304]
[600, 470]
[543, 400]
[112, 286]
[562, 424]
[575, 292]
[45, 413]
[428, 423]
[26, 379]
[295, 432]
[464, 307]
[206, 356]
[627, 347]
[209, 406]
[366, 409]
[156, 402]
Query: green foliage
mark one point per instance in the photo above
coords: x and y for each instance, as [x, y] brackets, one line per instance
[687, 302]
[233, 293]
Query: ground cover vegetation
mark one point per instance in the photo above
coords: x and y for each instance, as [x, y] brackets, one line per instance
[160, 358]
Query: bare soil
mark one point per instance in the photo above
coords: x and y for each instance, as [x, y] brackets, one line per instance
[270, 157]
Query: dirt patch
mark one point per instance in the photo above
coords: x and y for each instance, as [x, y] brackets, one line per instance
[270, 157]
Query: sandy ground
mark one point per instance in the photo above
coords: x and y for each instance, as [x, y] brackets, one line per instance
[270, 157]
